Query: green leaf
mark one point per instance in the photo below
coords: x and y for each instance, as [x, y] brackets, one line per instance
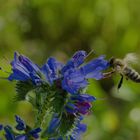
[22, 89]
[68, 123]
[49, 99]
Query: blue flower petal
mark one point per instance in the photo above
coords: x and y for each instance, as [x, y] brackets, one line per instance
[55, 66]
[78, 131]
[73, 81]
[83, 98]
[1, 127]
[35, 132]
[52, 69]
[19, 75]
[47, 72]
[21, 137]
[20, 123]
[27, 63]
[77, 59]
[8, 133]
[71, 108]
[94, 68]
[53, 124]
[24, 69]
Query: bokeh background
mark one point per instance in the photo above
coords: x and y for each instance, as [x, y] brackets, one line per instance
[43, 28]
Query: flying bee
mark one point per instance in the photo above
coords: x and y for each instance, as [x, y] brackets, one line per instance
[122, 67]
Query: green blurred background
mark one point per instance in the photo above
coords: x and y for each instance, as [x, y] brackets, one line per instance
[43, 28]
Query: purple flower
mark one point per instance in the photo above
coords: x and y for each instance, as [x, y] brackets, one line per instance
[24, 69]
[79, 103]
[83, 107]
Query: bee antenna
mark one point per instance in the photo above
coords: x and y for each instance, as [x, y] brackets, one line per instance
[92, 51]
[89, 55]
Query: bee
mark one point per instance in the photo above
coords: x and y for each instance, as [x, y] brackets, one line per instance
[122, 67]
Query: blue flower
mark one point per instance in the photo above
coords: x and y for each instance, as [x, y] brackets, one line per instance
[24, 69]
[71, 108]
[78, 131]
[77, 59]
[10, 134]
[75, 134]
[55, 66]
[1, 127]
[21, 137]
[54, 124]
[94, 68]
[67, 83]
[34, 133]
[51, 70]
[77, 106]
[75, 78]
[74, 74]
[83, 98]
[20, 123]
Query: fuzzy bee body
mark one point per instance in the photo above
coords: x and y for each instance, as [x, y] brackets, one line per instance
[132, 74]
[121, 66]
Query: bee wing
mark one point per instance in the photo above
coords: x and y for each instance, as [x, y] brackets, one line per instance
[131, 58]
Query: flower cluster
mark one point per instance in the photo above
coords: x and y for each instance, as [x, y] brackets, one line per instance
[21, 132]
[73, 76]
[59, 93]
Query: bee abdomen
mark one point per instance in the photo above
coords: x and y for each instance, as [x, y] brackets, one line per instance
[132, 74]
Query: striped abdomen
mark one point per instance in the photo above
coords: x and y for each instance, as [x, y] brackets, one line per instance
[131, 74]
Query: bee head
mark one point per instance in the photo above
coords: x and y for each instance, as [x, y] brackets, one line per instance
[111, 61]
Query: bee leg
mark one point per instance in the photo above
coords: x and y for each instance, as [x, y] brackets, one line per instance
[108, 74]
[120, 83]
